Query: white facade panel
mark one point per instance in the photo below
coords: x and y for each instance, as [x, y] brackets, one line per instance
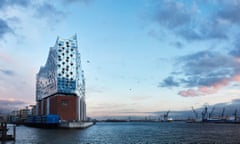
[62, 73]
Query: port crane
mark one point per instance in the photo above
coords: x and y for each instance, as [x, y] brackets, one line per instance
[165, 116]
[235, 114]
[223, 112]
[211, 113]
[195, 113]
[204, 113]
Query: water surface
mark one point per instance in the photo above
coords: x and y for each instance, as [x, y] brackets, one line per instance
[132, 133]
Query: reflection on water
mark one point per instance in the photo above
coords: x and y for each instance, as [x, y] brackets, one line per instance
[132, 132]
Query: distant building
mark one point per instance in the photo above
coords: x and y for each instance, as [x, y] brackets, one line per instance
[60, 86]
[24, 113]
[33, 110]
[14, 116]
[1, 118]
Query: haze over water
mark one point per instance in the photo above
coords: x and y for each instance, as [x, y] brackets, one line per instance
[132, 133]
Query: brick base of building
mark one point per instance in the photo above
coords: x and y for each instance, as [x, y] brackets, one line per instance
[66, 106]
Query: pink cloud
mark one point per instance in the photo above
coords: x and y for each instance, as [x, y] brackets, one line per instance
[206, 90]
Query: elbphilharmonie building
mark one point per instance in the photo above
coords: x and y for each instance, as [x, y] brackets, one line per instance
[60, 86]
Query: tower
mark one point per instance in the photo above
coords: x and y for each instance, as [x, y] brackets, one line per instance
[60, 83]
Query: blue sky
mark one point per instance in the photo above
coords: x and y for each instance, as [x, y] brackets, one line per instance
[139, 56]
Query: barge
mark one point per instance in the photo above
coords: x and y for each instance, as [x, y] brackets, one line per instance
[53, 121]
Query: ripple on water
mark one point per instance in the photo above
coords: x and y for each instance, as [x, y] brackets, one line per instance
[132, 133]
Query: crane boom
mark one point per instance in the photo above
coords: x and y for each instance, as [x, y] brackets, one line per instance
[196, 114]
[211, 113]
[165, 116]
[223, 111]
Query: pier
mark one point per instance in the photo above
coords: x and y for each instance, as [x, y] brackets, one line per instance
[4, 135]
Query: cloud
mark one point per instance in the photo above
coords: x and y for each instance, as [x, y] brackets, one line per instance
[208, 64]
[4, 8]
[7, 3]
[177, 44]
[4, 28]
[49, 11]
[208, 72]
[235, 51]
[229, 12]
[7, 72]
[172, 14]
[204, 73]
[168, 82]
[77, 1]
[38, 9]
[191, 22]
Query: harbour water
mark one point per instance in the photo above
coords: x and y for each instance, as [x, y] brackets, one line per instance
[132, 133]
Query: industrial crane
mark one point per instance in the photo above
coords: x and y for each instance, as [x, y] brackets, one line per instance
[165, 116]
[211, 113]
[204, 113]
[235, 115]
[195, 113]
[223, 112]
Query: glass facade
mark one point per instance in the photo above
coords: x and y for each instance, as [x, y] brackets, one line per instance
[62, 72]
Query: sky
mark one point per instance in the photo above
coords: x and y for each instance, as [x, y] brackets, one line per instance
[138, 56]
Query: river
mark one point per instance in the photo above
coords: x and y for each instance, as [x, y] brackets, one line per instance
[132, 133]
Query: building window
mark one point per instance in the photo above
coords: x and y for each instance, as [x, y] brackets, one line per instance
[64, 102]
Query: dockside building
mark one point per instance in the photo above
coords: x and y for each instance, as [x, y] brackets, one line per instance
[60, 84]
